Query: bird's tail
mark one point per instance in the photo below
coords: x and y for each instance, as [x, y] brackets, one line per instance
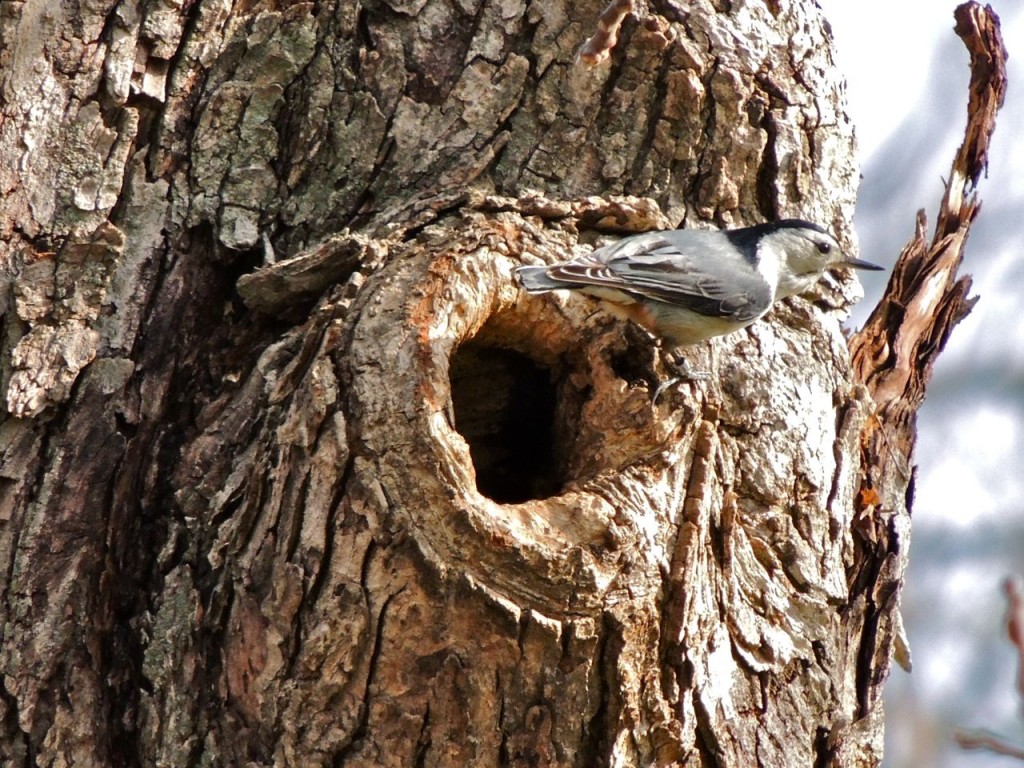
[536, 279]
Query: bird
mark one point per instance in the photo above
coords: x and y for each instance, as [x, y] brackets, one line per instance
[689, 285]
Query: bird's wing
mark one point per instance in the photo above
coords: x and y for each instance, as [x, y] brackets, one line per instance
[695, 273]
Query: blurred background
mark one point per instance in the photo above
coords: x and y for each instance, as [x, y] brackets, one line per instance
[907, 76]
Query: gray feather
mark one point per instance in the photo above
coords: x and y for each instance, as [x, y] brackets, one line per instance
[693, 269]
[536, 280]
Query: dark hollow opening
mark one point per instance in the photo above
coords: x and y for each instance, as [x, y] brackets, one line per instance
[504, 406]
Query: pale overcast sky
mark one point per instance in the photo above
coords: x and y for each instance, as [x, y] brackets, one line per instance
[907, 75]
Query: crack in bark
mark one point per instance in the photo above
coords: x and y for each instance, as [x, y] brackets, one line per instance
[768, 170]
[653, 119]
[320, 578]
[362, 726]
[596, 739]
[423, 741]
[704, 733]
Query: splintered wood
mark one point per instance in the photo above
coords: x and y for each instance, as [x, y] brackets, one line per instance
[895, 351]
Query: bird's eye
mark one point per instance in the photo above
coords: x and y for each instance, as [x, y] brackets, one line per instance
[824, 248]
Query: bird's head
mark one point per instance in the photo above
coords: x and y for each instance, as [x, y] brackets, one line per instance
[805, 251]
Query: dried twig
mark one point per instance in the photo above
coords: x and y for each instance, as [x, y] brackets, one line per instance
[1013, 588]
[989, 741]
[600, 45]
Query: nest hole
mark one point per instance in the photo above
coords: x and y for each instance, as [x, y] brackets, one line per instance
[506, 407]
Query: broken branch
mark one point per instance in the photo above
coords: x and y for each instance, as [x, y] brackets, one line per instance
[600, 45]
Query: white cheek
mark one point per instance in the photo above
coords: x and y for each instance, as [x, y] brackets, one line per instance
[768, 266]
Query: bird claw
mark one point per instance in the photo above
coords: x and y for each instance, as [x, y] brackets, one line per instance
[662, 387]
[686, 373]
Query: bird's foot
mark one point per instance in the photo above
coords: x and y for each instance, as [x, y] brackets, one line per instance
[682, 366]
[685, 371]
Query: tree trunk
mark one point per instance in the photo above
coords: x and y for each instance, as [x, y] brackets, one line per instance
[294, 474]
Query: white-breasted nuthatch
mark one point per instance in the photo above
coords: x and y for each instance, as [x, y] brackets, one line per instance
[687, 285]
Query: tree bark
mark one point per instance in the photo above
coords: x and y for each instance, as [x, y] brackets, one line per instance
[293, 474]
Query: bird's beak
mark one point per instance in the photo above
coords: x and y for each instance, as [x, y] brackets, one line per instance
[859, 264]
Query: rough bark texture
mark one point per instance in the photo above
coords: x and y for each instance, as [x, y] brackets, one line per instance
[374, 506]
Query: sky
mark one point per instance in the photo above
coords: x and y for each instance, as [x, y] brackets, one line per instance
[907, 76]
